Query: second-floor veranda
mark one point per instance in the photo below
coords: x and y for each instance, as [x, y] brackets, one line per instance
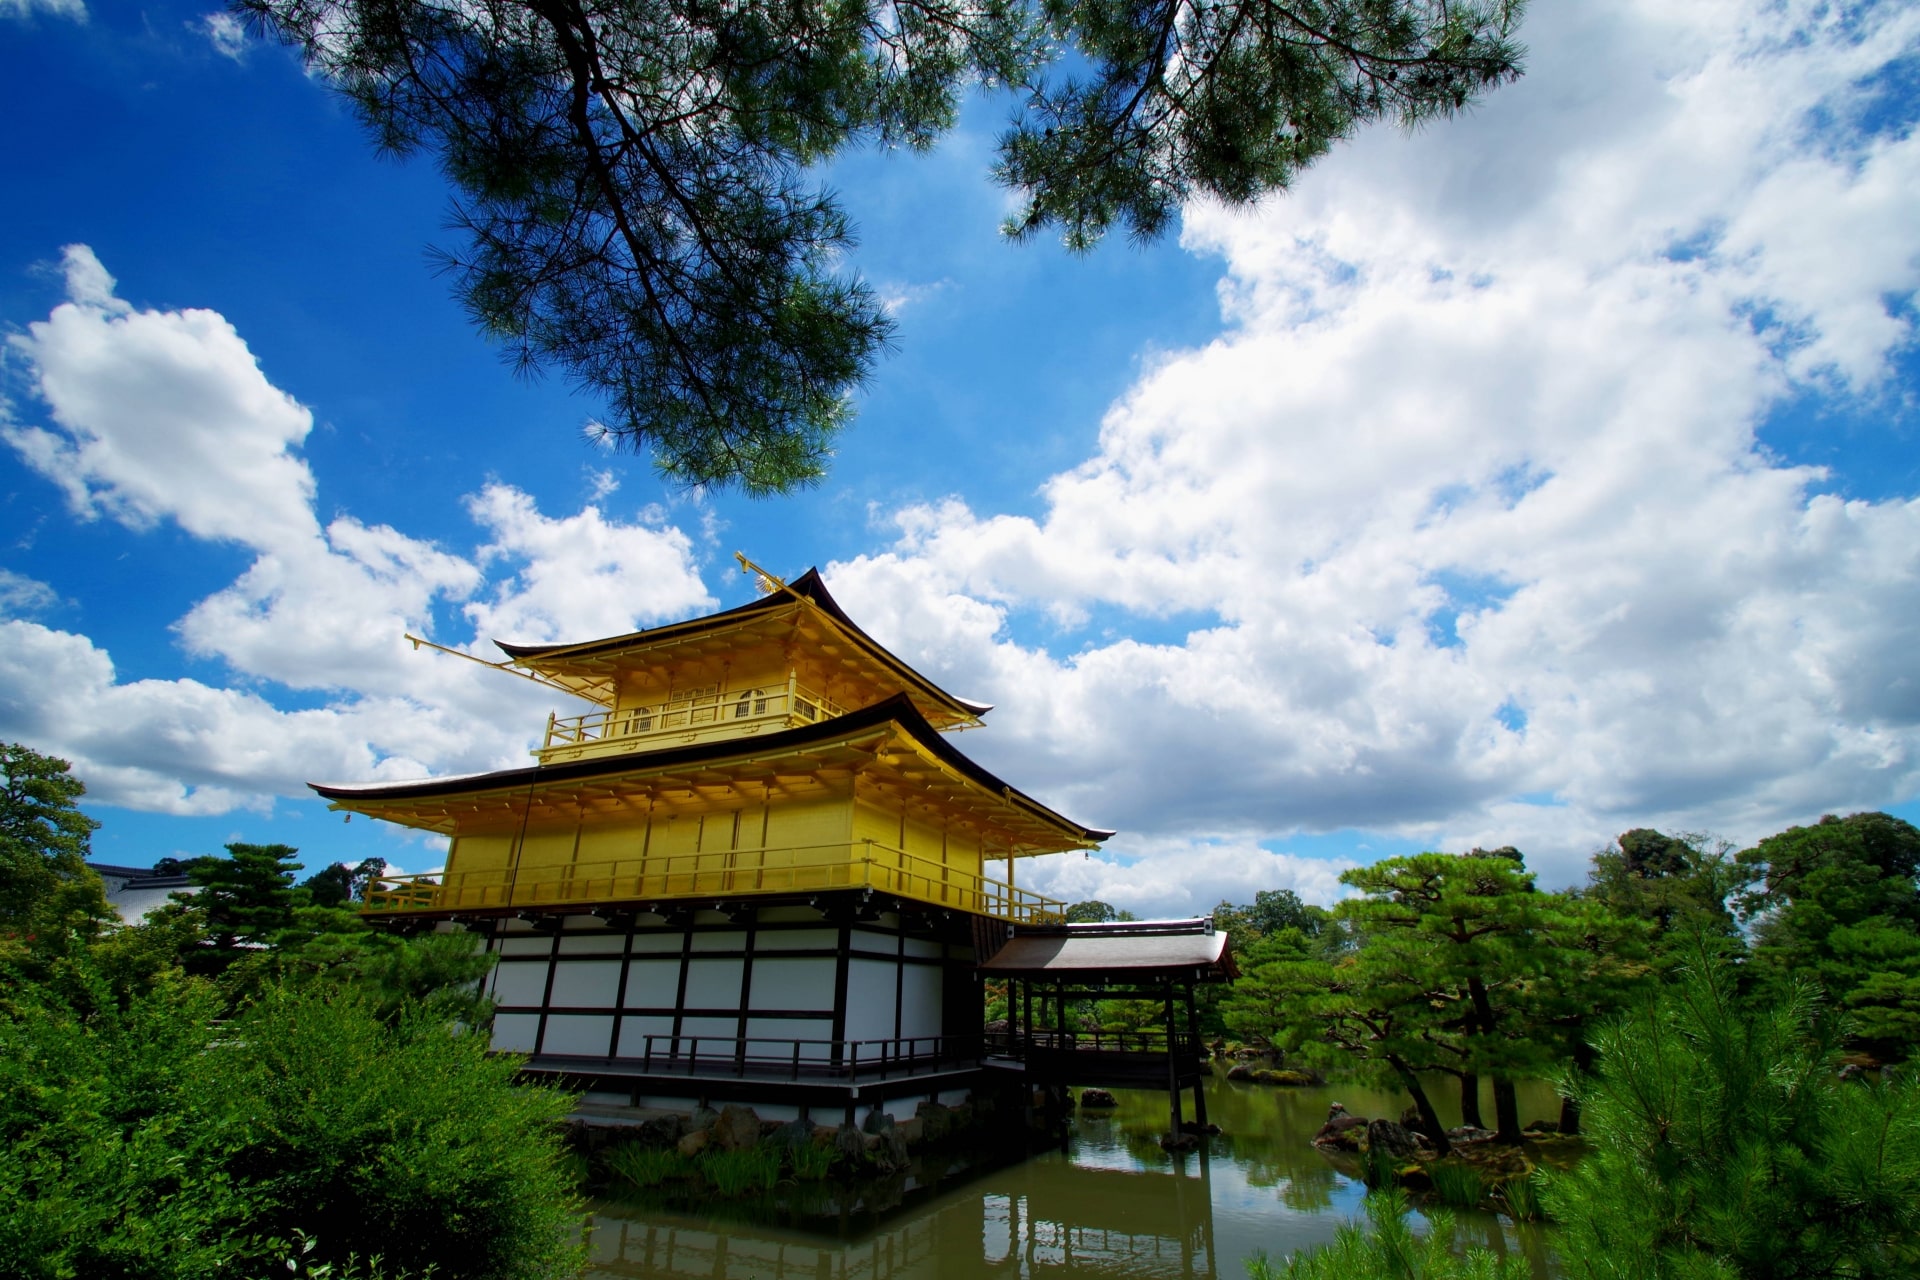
[718, 874]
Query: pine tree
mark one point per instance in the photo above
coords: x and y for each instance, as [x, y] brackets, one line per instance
[1722, 1143]
[1368, 1010]
[1469, 933]
[245, 900]
[636, 181]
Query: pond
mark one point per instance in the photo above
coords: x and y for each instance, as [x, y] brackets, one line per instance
[1111, 1204]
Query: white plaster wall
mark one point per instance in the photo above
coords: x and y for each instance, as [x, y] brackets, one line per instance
[920, 1001]
[578, 1033]
[792, 984]
[718, 1028]
[598, 943]
[651, 984]
[797, 940]
[713, 984]
[519, 982]
[635, 1030]
[591, 984]
[869, 1000]
[789, 1029]
[515, 1032]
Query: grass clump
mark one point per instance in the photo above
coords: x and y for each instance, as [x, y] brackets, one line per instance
[1458, 1185]
[1378, 1168]
[1521, 1199]
[1387, 1249]
[737, 1173]
[647, 1166]
[810, 1163]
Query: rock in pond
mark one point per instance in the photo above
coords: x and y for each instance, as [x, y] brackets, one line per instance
[1391, 1137]
[1342, 1129]
[737, 1129]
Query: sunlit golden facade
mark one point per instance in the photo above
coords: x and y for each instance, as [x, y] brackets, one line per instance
[770, 750]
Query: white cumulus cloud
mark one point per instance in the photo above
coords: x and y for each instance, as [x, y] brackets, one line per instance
[1469, 506]
[166, 415]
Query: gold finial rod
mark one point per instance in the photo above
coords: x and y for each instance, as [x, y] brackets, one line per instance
[768, 582]
[507, 667]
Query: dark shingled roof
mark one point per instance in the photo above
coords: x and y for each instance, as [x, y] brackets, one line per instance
[1128, 951]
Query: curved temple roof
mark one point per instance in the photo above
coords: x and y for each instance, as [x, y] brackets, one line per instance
[586, 669]
[897, 713]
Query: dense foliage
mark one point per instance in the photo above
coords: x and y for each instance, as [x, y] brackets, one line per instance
[251, 1080]
[1732, 1131]
[1725, 1144]
[249, 1077]
[1839, 902]
[636, 180]
[1442, 964]
[163, 1140]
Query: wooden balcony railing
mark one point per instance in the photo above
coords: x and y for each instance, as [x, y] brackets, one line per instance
[864, 864]
[1016, 1043]
[768, 1058]
[690, 716]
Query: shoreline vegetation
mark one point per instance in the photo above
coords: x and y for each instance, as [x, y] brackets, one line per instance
[250, 1081]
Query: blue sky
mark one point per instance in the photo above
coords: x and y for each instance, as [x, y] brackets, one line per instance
[1547, 473]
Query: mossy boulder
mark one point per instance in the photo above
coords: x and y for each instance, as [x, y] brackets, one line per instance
[1290, 1078]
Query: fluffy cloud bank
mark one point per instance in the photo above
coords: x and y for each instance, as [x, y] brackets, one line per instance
[1473, 526]
[1474, 496]
[166, 416]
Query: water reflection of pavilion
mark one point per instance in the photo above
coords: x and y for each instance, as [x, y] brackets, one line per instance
[1100, 1222]
[1033, 1220]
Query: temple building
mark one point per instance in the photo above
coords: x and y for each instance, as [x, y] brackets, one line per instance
[757, 870]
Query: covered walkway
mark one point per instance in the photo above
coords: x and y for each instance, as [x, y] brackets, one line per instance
[1048, 967]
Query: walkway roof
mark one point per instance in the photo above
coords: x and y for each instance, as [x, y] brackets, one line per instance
[1127, 952]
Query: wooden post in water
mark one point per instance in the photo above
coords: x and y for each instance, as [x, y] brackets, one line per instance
[1173, 1066]
[1200, 1083]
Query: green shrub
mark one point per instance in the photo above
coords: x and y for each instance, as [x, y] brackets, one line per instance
[647, 1166]
[1387, 1249]
[1458, 1185]
[810, 1162]
[156, 1142]
[736, 1173]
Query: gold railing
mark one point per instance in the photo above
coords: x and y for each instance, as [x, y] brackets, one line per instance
[862, 864]
[701, 713]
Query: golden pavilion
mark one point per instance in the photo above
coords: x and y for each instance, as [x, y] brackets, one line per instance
[758, 854]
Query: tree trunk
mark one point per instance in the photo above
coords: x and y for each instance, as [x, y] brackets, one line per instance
[1584, 1056]
[1506, 1111]
[1506, 1104]
[1429, 1121]
[1470, 1100]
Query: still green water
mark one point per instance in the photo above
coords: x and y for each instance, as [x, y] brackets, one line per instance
[1111, 1204]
